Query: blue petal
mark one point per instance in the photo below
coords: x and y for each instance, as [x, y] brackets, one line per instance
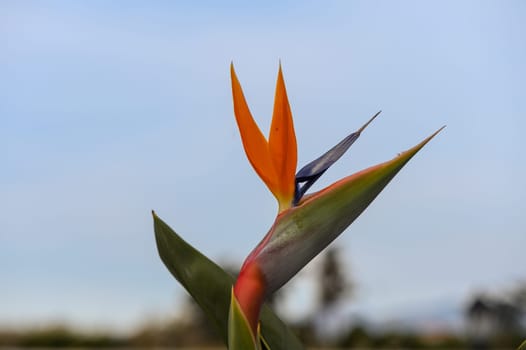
[312, 171]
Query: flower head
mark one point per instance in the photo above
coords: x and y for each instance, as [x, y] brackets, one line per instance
[305, 225]
[274, 160]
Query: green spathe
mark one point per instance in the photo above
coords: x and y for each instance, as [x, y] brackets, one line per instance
[302, 232]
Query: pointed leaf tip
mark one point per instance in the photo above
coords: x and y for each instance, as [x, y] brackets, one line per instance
[430, 137]
[408, 154]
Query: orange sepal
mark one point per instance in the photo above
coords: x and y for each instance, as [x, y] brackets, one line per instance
[275, 160]
[282, 144]
[254, 143]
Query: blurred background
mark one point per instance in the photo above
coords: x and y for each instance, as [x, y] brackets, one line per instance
[111, 109]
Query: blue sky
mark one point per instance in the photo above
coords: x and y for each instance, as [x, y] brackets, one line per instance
[110, 110]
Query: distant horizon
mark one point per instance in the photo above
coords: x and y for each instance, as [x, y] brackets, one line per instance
[442, 312]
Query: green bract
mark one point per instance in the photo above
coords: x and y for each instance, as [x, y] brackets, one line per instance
[304, 231]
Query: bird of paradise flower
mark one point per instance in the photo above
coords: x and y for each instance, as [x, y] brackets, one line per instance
[304, 226]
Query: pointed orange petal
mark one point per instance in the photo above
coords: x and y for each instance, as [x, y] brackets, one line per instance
[254, 143]
[282, 144]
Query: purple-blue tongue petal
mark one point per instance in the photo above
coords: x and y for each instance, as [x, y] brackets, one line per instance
[312, 171]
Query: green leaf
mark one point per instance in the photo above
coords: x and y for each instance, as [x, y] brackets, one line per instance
[522, 346]
[210, 286]
[240, 336]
